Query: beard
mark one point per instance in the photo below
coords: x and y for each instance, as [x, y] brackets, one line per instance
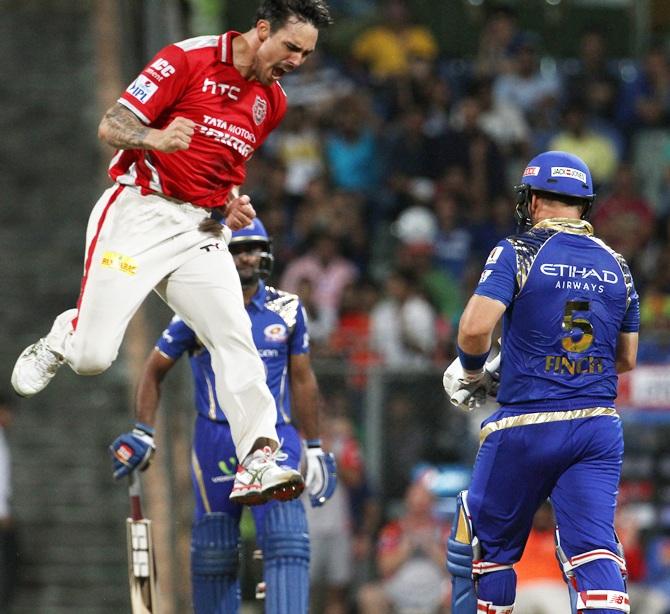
[248, 279]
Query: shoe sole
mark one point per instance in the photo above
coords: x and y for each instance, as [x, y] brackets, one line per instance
[251, 498]
[286, 491]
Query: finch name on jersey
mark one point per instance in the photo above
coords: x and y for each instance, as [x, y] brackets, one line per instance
[572, 296]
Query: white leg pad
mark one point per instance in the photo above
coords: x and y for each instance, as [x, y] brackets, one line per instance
[595, 600]
[486, 607]
[482, 567]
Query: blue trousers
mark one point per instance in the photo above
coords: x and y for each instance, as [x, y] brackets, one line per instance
[577, 464]
[214, 464]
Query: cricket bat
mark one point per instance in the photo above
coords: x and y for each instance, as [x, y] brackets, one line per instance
[141, 561]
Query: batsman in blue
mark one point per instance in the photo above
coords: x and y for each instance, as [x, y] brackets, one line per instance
[280, 333]
[570, 321]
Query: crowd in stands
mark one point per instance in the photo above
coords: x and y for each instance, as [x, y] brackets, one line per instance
[391, 177]
[390, 181]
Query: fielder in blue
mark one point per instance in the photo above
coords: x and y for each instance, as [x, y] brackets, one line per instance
[570, 320]
[280, 334]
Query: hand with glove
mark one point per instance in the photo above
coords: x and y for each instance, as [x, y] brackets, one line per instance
[132, 451]
[470, 389]
[321, 478]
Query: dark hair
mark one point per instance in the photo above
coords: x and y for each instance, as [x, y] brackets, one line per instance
[278, 12]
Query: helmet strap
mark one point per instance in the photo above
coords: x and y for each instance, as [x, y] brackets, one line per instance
[522, 208]
[586, 211]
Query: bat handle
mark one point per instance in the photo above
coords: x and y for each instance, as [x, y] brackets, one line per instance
[460, 396]
[135, 494]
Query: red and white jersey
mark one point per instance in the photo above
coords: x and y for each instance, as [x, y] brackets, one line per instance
[196, 79]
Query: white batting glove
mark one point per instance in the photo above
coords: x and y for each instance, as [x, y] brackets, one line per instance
[321, 478]
[469, 390]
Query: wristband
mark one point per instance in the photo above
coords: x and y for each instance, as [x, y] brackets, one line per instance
[472, 362]
[145, 428]
[313, 443]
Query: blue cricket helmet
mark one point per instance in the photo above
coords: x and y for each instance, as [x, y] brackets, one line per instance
[555, 172]
[255, 233]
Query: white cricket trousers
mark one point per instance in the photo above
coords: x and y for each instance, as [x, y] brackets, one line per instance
[135, 244]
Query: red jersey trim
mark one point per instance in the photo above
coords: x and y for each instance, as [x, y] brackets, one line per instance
[226, 46]
[91, 250]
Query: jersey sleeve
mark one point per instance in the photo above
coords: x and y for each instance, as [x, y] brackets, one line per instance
[631, 319]
[299, 342]
[176, 339]
[159, 84]
[498, 279]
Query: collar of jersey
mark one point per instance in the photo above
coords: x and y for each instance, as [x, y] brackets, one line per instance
[258, 299]
[566, 224]
[226, 46]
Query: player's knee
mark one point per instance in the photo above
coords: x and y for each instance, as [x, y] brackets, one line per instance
[477, 585]
[215, 546]
[91, 362]
[596, 580]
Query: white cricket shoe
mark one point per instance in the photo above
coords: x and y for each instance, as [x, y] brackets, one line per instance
[259, 478]
[34, 368]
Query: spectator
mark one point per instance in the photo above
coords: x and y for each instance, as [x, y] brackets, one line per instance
[348, 213]
[410, 560]
[321, 321]
[655, 303]
[320, 87]
[623, 218]
[8, 539]
[502, 122]
[424, 245]
[331, 531]
[598, 150]
[326, 269]
[541, 588]
[644, 597]
[388, 48]
[497, 40]
[592, 77]
[351, 146]
[408, 151]
[527, 87]
[350, 339]
[407, 441]
[298, 145]
[403, 324]
[437, 107]
[487, 230]
[485, 164]
[453, 241]
[312, 213]
[661, 187]
[645, 101]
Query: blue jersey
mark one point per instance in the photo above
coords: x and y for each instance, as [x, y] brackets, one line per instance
[568, 297]
[279, 331]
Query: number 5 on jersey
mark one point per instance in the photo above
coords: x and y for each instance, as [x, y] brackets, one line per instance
[573, 341]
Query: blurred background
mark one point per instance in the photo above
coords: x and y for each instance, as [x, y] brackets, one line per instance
[384, 189]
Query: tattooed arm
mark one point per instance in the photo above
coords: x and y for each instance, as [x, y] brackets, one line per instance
[121, 129]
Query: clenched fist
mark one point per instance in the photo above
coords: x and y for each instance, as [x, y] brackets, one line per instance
[174, 137]
[239, 212]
